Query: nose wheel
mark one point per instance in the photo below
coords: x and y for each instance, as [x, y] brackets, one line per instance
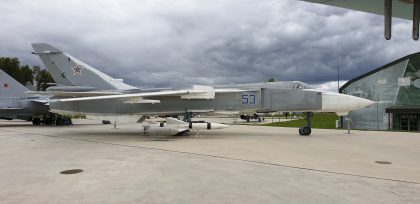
[306, 130]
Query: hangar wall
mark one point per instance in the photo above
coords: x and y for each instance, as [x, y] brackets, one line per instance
[396, 88]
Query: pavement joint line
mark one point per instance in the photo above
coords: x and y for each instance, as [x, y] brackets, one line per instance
[227, 158]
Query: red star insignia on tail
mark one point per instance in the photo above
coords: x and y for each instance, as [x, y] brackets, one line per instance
[77, 70]
[5, 85]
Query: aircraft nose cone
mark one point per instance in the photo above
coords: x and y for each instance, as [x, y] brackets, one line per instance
[334, 102]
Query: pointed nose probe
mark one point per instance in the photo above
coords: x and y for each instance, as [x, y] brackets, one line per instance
[362, 102]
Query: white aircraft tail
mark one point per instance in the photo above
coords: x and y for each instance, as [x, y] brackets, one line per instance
[10, 88]
[70, 71]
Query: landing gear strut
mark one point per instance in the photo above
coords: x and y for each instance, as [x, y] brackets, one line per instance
[306, 130]
[188, 116]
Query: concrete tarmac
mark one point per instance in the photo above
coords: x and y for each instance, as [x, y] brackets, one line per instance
[240, 164]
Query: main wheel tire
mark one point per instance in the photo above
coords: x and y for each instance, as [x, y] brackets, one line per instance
[300, 131]
[306, 131]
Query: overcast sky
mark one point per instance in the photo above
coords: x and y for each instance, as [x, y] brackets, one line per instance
[162, 43]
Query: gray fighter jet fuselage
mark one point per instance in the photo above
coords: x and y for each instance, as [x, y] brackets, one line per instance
[247, 98]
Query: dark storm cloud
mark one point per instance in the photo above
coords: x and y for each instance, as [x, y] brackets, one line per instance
[166, 43]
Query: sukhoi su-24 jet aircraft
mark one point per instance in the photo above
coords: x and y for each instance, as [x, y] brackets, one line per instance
[102, 96]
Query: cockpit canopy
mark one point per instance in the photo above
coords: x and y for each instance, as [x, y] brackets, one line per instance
[300, 85]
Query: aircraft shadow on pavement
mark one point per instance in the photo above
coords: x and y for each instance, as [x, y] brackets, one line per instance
[15, 125]
[130, 134]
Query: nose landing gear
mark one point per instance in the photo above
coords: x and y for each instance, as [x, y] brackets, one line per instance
[306, 130]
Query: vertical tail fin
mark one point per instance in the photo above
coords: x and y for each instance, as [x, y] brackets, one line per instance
[9, 87]
[70, 71]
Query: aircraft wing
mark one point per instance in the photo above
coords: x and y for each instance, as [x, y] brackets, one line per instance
[221, 91]
[73, 93]
[197, 92]
[400, 9]
[127, 96]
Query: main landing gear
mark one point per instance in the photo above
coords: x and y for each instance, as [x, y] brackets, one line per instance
[188, 116]
[306, 130]
[51, 119]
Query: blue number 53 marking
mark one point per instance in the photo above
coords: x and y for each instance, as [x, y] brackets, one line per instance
[248, 99]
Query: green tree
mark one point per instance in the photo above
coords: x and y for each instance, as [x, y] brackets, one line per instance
[10, 66]
[272, 80]
[42, 78]
[27, 75]
[36, 69]
[22, 74]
